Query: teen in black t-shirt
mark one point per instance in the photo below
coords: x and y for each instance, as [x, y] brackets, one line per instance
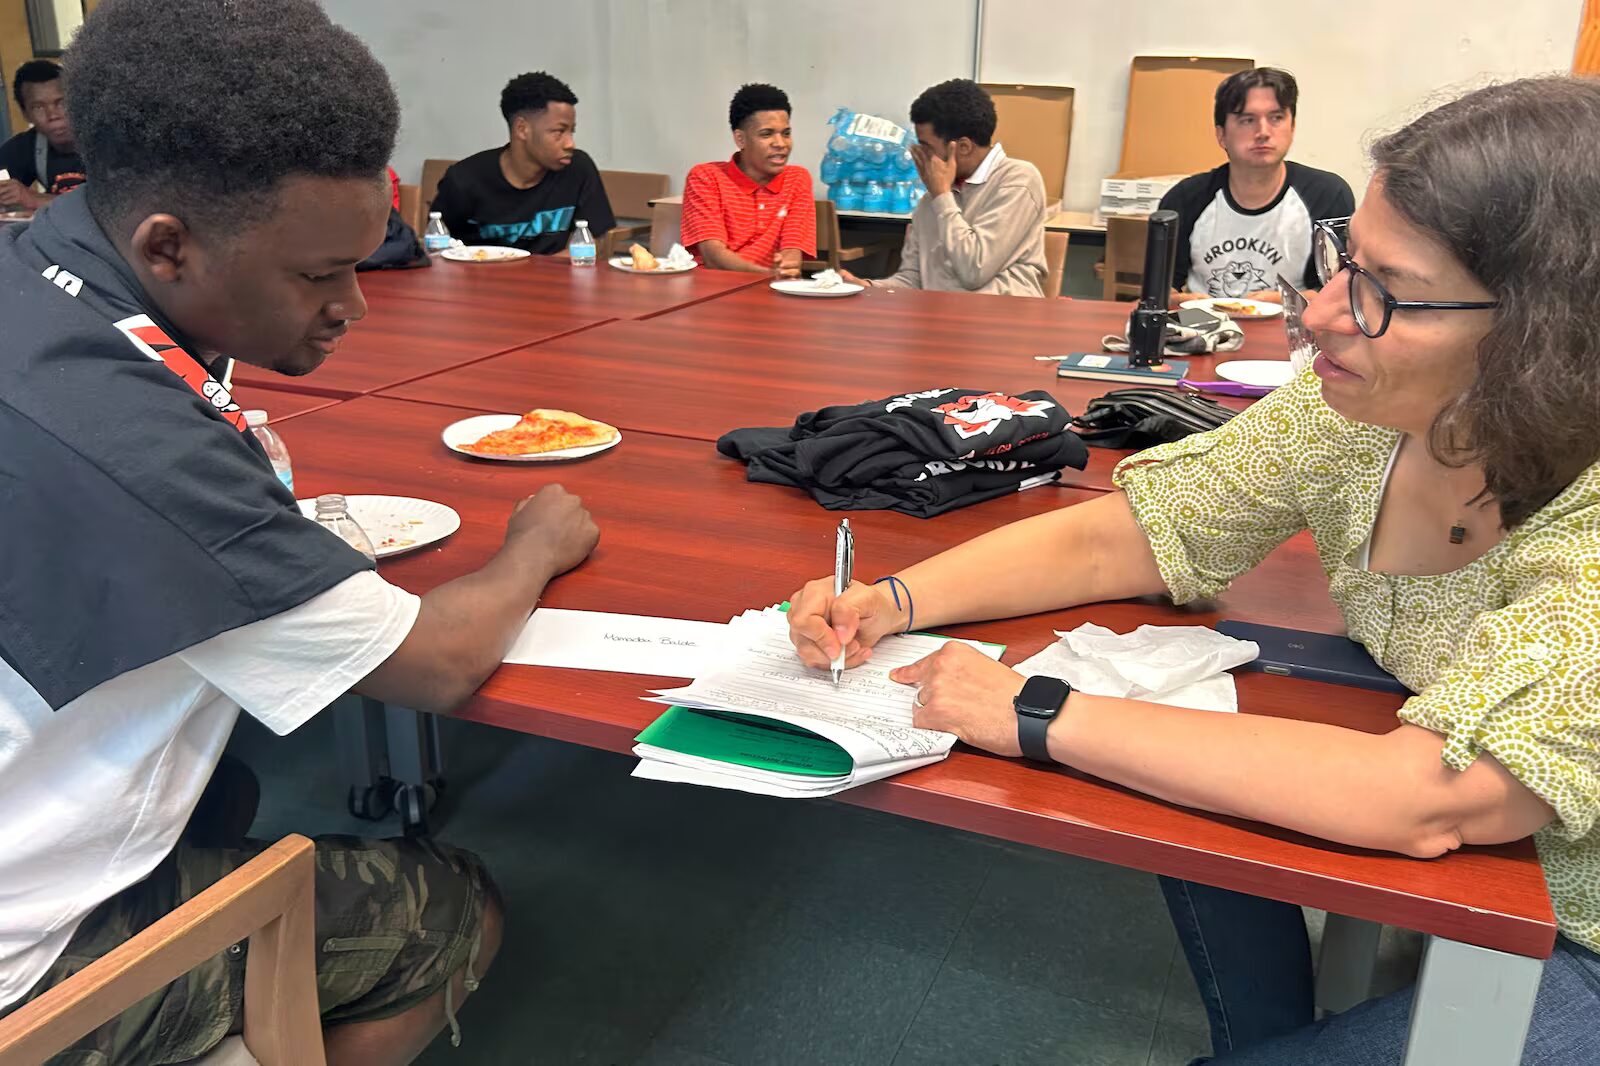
[37, 88]
[530, 193]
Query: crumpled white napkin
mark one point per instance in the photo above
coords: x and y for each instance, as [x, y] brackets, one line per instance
[1184, 666]
[677, 258]
[827, 279]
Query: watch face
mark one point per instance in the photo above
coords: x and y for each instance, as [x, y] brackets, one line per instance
[1042, 697]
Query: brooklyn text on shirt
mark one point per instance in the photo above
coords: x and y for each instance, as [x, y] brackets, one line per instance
[942, 467]
[1245, 244]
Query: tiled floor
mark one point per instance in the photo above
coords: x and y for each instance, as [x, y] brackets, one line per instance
[672, 926]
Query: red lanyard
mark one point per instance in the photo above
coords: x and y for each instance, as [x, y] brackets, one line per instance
[149, 339]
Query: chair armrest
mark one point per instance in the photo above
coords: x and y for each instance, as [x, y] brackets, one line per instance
[269, 899]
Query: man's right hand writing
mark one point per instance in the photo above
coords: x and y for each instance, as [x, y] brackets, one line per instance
[819, 624]
[553, 528]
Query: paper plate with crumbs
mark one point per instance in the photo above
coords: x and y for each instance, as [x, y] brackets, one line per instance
[626, 265]
[482, 253]
[811, 287]
[542, 435]
[396, 524]
[1235, 307]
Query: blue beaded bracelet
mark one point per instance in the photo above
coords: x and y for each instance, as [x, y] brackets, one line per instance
[896, 586]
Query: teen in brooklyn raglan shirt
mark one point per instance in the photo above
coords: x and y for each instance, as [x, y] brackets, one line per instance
[1227, 251]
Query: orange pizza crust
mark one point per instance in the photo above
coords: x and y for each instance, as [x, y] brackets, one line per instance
[544, 430]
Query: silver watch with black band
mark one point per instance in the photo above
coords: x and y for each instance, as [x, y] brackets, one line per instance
[1037, 705]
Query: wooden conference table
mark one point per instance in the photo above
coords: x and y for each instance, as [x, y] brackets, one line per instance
[668, 504]
[759, 358]
[420, 322]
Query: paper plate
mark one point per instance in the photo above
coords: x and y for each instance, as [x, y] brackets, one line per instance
[470, 430]
[804, 287]
[396, 524]
[483, 253]
[624, 263]
[1267, 373]
[1235, 308]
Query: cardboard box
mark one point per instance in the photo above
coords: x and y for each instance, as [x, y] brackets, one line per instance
[1169, 129]
[1133, 196]
[1036, 125]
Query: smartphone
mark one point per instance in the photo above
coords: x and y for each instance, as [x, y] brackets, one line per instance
[1318, 656]
[1195, 318]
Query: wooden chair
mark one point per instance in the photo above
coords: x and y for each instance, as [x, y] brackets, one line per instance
[411, 207]
[269, 900]
[432, 171]
[666, 224]
[1055, 259]
[832, 252]
[630, 193]
[1124, 268]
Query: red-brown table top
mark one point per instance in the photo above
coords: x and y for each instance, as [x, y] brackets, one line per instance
[759, 358]
[422, 322]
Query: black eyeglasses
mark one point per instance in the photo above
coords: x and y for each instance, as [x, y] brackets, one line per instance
[1370, 303]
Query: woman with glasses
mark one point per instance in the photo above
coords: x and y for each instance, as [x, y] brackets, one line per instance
[1444, 452]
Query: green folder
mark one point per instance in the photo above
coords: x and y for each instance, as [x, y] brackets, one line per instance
[745, 740]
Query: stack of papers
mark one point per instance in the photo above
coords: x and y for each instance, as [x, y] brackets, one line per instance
[760, 721]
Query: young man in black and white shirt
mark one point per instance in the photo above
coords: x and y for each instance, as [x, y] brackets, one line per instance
[1249, 220]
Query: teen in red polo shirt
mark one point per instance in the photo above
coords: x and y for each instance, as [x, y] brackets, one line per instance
[755, 212]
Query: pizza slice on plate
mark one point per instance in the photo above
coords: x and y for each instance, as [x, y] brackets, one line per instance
[544, 430]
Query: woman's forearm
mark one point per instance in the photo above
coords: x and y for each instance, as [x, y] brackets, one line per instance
[1082, 554]
[1389, 792]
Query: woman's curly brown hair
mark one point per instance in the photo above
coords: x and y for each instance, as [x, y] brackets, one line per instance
[1506, 178]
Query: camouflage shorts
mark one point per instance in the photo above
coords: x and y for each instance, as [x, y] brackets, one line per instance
[395, 920]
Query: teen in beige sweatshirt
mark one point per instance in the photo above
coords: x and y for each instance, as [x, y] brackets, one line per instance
[981, 226]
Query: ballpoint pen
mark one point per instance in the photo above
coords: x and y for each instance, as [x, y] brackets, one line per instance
[844, 563]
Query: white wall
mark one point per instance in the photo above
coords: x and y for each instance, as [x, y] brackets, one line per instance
[1363, 65]
[654, 77]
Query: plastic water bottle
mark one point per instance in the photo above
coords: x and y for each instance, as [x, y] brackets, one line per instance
[874, 197]
[848, 198]
[900, 198]
[334, 513]
[257, 421]
[435, 238]
[830, 169]
[581, 248]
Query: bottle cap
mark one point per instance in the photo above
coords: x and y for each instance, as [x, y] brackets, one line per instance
[435, 214]
[581, 222]
[255, 418]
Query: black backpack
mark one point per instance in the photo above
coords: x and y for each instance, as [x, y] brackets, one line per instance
[1140, 418]
[400, 249]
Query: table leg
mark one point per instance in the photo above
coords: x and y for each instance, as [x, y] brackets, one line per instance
[1346, 962]
[364, 757]
[393, 760]
[1472, 1006]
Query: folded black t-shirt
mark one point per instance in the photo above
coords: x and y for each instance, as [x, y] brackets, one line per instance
[481, 207]
[63, 170]
[921, 453]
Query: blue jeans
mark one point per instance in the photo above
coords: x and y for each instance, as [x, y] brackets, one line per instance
[1252, 961]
